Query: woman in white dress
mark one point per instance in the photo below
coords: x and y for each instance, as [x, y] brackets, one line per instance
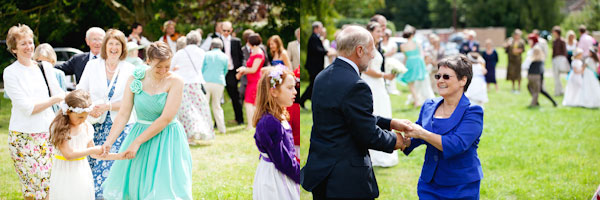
[389, 49]
[381, 100]
[477, 91]
[583, 89]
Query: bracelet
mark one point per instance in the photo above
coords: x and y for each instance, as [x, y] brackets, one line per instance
[109, 106]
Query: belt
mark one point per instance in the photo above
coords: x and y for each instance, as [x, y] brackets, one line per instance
[150, 122]
[265, 157]
[63, 158]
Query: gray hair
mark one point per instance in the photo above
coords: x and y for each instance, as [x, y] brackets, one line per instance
[45, 50]
[193, 37]
[316, 24]
[216, 43]
[352, 37]
[94, 30]
[180, 44]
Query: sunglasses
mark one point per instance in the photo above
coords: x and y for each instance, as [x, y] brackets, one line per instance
[445, 76]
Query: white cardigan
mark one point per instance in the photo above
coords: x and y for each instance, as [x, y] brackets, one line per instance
[94, 80]
[26, 87]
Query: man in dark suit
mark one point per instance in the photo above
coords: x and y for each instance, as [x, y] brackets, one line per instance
[469, 45]
[315, 58]
[344, 127]
[233, 50]
[76, 64]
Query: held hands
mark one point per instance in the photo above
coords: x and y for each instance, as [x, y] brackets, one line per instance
[401, 125]
[417, 132]
[98, 110]
[402, 142]
[131, 151]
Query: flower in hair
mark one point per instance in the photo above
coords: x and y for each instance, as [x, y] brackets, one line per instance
[276, 77]
[64, 107]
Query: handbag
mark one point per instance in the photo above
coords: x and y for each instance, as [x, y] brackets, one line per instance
[111, 87]
[201, 85]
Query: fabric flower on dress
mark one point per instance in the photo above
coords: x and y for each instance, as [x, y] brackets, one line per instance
[139, 73]
[136, 86]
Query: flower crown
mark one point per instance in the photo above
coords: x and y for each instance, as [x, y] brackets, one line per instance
[276, 76]
[64, 107]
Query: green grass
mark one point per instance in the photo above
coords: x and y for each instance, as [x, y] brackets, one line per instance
[223, 170]
[526, 153]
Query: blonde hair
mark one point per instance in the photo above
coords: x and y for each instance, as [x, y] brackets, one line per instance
[15, 33]
[538, 54]
[278, 43]
[59, 128]
[117, 35]
[159, 50]
[265, 102]
[46, 51]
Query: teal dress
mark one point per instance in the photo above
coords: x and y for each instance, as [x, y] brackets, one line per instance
[415, 66]
[162, 167]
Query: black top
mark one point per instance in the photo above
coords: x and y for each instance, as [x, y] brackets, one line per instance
[536, 67]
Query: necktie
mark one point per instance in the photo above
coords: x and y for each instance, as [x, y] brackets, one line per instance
[94, 57]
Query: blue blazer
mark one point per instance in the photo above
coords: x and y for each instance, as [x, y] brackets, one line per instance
[343, 131]
[75, 65]
[458, 163]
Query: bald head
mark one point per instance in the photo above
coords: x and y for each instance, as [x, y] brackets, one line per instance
[226, 28]
[350, 38]
[356, 44]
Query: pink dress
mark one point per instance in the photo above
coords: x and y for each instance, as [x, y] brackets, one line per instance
[253, 78]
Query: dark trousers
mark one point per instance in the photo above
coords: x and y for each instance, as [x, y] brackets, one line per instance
[308, 92]
[232, 90]
[320, 193]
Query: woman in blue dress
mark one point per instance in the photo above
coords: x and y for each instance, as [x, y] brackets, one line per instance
[278, 53]
[158, 162]
[450, 126]
[491, 58]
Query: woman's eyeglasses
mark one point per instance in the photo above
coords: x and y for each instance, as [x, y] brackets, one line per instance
[445, 76]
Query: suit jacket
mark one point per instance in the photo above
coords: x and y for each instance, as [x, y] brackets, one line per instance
[464, 47]
[237, 57]
[315, 55]
[458, 163]
[343, 130]
[75, 65]
[293, 49]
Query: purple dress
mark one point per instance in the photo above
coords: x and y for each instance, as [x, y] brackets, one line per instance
[490, 66]
[278, 172]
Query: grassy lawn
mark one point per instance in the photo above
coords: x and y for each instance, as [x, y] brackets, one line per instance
[223, 170]
[537, 153]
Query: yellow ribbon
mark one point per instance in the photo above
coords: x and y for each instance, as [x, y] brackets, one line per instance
[63, 158]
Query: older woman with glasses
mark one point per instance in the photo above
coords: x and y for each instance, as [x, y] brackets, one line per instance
[105, 79]
[450, 126]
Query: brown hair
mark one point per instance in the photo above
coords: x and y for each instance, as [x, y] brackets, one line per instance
[254, 39]
[59, 128]
[247, 34]
[159, 50]
[461, 66]
[117, 35]
[15, 33]
[265, 103]
[277, 40]
[557, 30]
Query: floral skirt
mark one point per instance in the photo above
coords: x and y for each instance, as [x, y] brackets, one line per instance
[194, 113]
[32, 156]
[100, 168]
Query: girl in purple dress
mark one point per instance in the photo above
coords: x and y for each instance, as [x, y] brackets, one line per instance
[278, 172]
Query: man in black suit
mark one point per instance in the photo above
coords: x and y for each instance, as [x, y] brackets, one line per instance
[471, 44]
[76, 64]
[217, 34]
[315, 58]
[344, 128]
[233, 49]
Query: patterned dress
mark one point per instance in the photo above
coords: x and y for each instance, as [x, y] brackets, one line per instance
[194, 113]
[32, 153]
[100, 168]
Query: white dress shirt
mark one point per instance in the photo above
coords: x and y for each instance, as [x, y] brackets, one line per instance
[189, 67]
[94, 81]
[92, 56]
[26, 87]
[227, 46]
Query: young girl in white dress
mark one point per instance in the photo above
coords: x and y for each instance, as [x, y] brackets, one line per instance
[583, 88]
[278, 172]
[72, 135]
[477, 92]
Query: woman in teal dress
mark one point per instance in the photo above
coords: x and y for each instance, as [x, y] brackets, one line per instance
[157, 161]
[414, 63]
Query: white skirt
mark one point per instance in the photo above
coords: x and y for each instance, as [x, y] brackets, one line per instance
[270, 183]
[71, 180]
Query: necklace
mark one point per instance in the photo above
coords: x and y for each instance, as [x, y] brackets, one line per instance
[108, 69]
